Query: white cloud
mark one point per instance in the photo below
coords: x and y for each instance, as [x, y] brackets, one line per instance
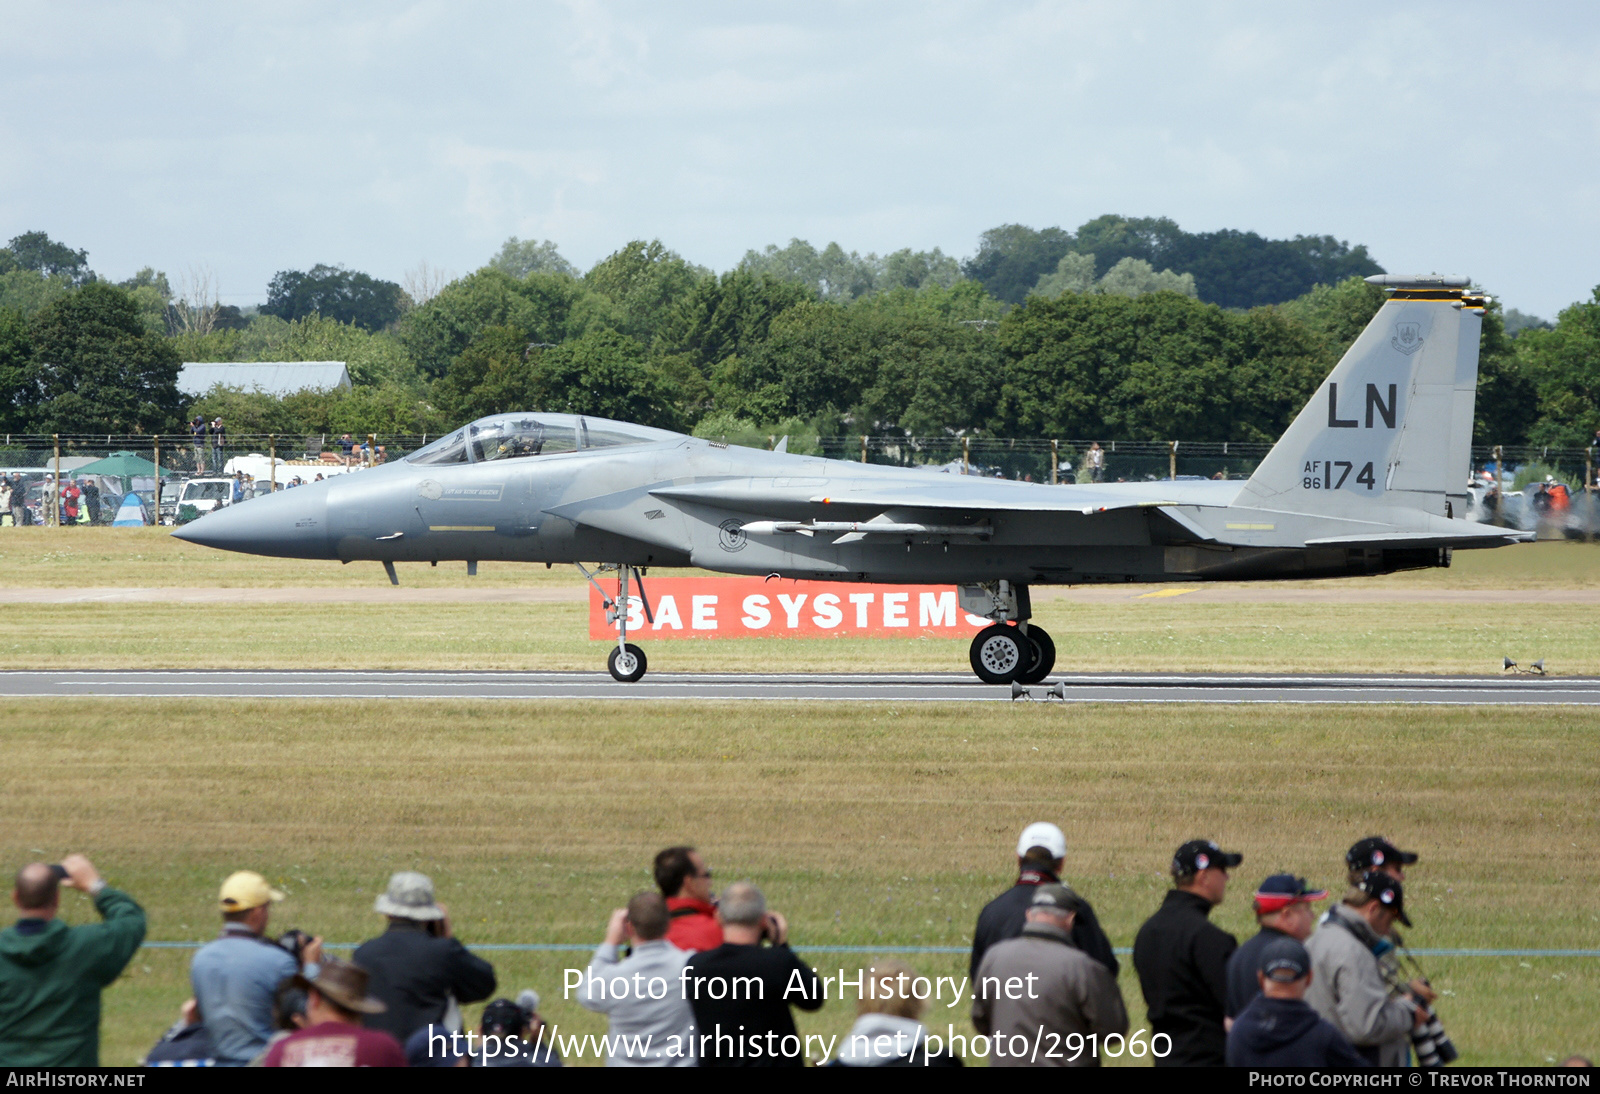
[262, 137]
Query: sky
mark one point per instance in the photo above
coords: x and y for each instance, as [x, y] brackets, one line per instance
[242, 139]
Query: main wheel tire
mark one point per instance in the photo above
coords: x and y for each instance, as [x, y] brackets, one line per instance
[626, 664]
[1047, 656]
[1000, 654]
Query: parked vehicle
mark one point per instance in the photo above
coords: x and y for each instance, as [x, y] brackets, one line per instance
[203, 495]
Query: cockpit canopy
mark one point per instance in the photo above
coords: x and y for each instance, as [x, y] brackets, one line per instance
[517, 436]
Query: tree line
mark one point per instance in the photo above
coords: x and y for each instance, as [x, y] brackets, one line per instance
[1117, 330]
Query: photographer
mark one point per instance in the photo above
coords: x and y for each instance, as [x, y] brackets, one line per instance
[637, 1014]
[51, 974]
[754, 1019]
[419, 970]
[1353, 969]
[236, 977]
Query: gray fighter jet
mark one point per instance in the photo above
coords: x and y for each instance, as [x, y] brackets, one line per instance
[1367, 480]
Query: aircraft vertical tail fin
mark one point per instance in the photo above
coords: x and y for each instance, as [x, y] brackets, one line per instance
[1392, 424]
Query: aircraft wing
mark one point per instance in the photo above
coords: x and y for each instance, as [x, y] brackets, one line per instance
[908, 504]
[769, 496]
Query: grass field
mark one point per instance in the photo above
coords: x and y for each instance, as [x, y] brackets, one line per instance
[1504, 609]
[37, 557]
[1158, 635]
[868, 825]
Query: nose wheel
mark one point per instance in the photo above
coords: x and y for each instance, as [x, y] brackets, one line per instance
[626, 663]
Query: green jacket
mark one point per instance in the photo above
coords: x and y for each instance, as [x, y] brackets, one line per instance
[50, 983]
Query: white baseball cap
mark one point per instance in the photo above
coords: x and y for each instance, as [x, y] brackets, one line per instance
[1042, 834]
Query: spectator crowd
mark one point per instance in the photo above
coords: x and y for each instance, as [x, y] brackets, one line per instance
[687, 979]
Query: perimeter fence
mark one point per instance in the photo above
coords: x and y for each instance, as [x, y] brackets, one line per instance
[1040, 459]
[1516, 469]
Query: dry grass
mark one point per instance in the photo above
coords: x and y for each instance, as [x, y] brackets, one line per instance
[867, 824]
[61, 558]
[1133, 635]
[1111, 630]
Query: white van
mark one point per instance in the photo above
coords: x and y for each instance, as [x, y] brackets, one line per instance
[204, 494]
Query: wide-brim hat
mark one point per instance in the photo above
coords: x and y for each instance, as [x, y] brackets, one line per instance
[409, 896]
[343, 983]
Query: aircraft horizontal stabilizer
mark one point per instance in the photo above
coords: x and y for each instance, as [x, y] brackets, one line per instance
[1470, 535]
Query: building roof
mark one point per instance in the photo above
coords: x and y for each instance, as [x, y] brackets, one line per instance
[270, 377]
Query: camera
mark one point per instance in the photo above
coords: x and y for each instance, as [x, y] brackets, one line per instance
[1430, 1042]
[295, 941]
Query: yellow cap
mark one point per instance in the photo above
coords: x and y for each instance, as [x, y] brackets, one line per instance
[245, 890]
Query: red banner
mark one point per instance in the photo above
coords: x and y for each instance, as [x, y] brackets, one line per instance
[748, 607]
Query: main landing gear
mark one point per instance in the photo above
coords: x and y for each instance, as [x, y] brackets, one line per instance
[1012, 650]
[627, 662]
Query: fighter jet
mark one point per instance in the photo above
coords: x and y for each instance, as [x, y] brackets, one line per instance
[1367, 480]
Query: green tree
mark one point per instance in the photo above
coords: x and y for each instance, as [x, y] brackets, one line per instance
[28, 292]
[251, 412]
[546, 308]
[908, 269]
[933, 377]
[518, 258]
[720, 318]
[1129, 277]
[1241, 269]
[152, 295]
[964, 302]
[1337, 313]
[373, 359]
[1155, 367]
[1507, 406]
[381, 409]
[1231, 268]
[1013, 257]
[1113, 239]
[16, 369]
[1074, 273]
[1517, 322]
[1564, 363]
[1135, 277]
[37, 252]
[491, 376]
[348, 296]
[817, 358]
[643, 282]
[830, 274]
[606, 374]
[96, 369]
[1280, 364]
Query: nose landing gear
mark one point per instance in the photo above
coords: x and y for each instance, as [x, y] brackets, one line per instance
[627, 662]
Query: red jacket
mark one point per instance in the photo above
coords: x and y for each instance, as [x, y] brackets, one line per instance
[694, 924]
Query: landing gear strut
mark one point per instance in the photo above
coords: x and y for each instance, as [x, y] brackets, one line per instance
[1012, 650]
[627, 662]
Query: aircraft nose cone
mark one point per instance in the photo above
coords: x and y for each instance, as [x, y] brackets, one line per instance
[288, 524]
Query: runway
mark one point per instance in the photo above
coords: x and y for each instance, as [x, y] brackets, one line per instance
[820, 687]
